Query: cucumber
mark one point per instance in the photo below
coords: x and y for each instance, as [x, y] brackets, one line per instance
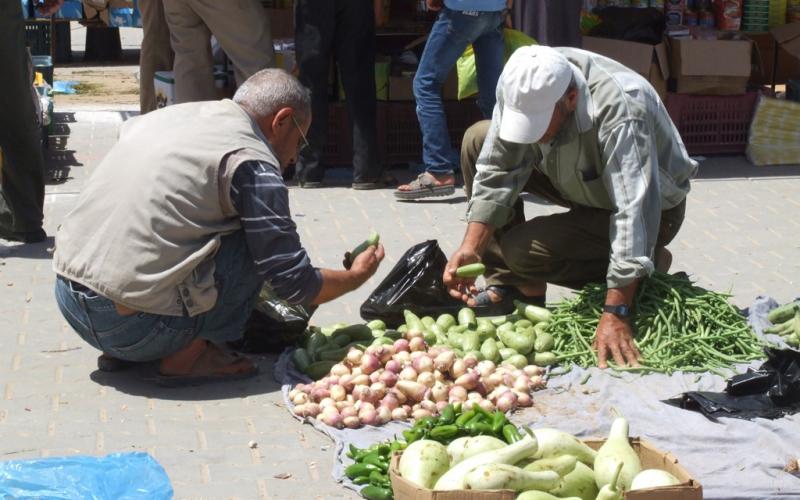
[466, 316]
[490, 351]
[470, 341]
[542, 359]
[371, 241]
[301, 359]
[445, 321]
[783, 313]
[376, 324]
[470, 270]
[427, 321]
[355, 332]
[544, 342]
[319, 369]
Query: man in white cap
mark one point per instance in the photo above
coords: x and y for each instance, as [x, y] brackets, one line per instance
[584, 132]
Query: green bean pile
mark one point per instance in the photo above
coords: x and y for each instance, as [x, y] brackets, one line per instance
[678, 326]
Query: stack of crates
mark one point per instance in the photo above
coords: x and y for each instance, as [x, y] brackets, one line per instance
[761, 15]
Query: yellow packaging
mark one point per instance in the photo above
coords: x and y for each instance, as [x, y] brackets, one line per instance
[775, 133]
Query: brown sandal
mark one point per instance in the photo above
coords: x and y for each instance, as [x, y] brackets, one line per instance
[425, 187]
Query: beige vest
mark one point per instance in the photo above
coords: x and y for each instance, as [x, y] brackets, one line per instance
[149, 221]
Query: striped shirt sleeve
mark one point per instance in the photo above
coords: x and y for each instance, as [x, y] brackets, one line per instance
[631, 176]
[262, 201]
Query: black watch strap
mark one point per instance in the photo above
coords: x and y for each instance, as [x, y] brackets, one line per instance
[621, 310]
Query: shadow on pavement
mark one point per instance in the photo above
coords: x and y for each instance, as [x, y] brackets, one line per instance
[142, 381]
[43, 250]
[58, 158]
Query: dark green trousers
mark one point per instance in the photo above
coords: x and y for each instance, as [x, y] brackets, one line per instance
[22, 195]
[569, 249]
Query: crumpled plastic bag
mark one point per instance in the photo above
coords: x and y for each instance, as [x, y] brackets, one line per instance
[414, 283]
[770, 392]
[465, 66]
[119, 476]
[273, 325]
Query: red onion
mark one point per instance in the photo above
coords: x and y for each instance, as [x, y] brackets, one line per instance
[384, 415]
[401, 345]
[390, 401]
[423, 364]
[417, 344]
[388, 378]
[444, 361]
[426, 378]
[393, 366]
[408, 373]
[351, 422]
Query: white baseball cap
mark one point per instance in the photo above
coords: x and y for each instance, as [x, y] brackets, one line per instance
[533, 80]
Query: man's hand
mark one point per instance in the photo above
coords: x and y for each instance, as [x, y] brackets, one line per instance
[367, 262]
[461, 288]
[49, 7]
[435, 5]
[614, 335]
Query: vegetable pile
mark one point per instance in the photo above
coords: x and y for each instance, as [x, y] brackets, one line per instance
[544, 464]
[407, 379]
[678, 326]
[469, 431]
[786, 323]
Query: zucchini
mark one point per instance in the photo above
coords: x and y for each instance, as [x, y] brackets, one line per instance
[301, 359]
[355, 332]
[445, 321]
[466, 316]
[470, 270]
[783, 313]
[371, 241]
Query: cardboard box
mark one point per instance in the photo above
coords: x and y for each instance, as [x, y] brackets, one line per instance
[650, 61]
[788, 38]
[785, 66]
[710, 67]
[651, 458]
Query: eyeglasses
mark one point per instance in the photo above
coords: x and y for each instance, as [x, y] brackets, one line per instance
[301, 146]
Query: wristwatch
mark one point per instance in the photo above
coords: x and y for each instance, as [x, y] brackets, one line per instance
[621, 310]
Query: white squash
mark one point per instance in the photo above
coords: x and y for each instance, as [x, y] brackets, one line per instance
[509, 477]
[562, 465]
[617, 448]
[511, 454]
[424, 462]
[554, 443]
[653, 478]
[465, 447]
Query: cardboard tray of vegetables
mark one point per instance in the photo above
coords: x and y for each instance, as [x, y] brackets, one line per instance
[545, 465]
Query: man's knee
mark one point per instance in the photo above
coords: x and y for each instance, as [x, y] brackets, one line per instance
[522, 253]
[471, 146]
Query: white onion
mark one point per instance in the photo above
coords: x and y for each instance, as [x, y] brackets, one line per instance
[423, 364]
[459, 368]
[354, 356]
[351, 422]
[338, 393]
[299, 410]
[426, 378]
[384, 415]
[312, 409]
[440, 406]
[420, 413]
[361, 380]
[486, 405]
[348, 411]
[293, 393]
[408, 373]
[356, 371]
[524, 400]
[417, 344]
[444, 361]
[457, 393]
[326, 403]
[522, 384]
[300, 399]
[339, 369]
[378, 390]
[401, 345]
[428, 405]
[485, 368]
[402, 357]
[413, 334]
[399, 414]
[320, 393]
[439, 392]
[468, 380]
[533, 370]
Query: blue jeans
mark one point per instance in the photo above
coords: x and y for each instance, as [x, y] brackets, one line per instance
[450, 35]
[147, 337]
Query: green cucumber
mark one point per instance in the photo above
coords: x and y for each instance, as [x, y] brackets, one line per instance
[371, 241]
[470, 270]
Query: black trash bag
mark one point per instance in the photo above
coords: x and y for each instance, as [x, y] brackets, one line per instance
[631, 24]
[273, 325]
[770, 392]
[415, 283]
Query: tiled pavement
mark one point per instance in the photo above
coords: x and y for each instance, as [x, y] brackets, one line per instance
[741, 233]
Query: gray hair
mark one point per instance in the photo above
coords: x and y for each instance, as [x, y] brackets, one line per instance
[271, 89]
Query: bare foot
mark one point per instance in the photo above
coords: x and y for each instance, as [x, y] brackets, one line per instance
[201, 357]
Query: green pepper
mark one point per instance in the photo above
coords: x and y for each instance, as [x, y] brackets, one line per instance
[425, 423]
[377, 460]
[377, 493]
[412, 435]
[485, 415]
[499, 420]
[378, 478]
[359, 469]
[361, 480]
[465, 417]
[478, 428]
[511, 433]
[448, 415]
[396, 446]
[444, 432]
[384, 449]
[353, 451]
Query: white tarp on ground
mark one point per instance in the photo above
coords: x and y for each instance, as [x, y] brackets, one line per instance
[733, 459]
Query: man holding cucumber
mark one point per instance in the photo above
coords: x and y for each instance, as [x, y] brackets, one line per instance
[586, 133]
[169, 245]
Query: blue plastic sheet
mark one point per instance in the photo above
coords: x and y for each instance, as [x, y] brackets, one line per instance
[119, 476]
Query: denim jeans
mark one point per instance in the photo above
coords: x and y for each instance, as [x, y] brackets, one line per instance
[147, 337]
[450, 35]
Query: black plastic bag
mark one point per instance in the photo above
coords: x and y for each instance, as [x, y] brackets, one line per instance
[415, 283]
[771, 392]
[273, 325]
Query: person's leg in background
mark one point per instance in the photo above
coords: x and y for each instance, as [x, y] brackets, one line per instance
[22, 196]
[489, 60]
[315, 24]
[191, 40]
[243, 31]
[156, 53]
[450, 35]
[354, 43]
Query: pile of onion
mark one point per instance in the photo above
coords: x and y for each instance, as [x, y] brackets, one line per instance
[408, 380]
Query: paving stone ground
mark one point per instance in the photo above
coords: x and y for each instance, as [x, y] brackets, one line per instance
[741, 234]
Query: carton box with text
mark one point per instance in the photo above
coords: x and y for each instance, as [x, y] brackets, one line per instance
[650, 456]
[650, 61]
[710, 67]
